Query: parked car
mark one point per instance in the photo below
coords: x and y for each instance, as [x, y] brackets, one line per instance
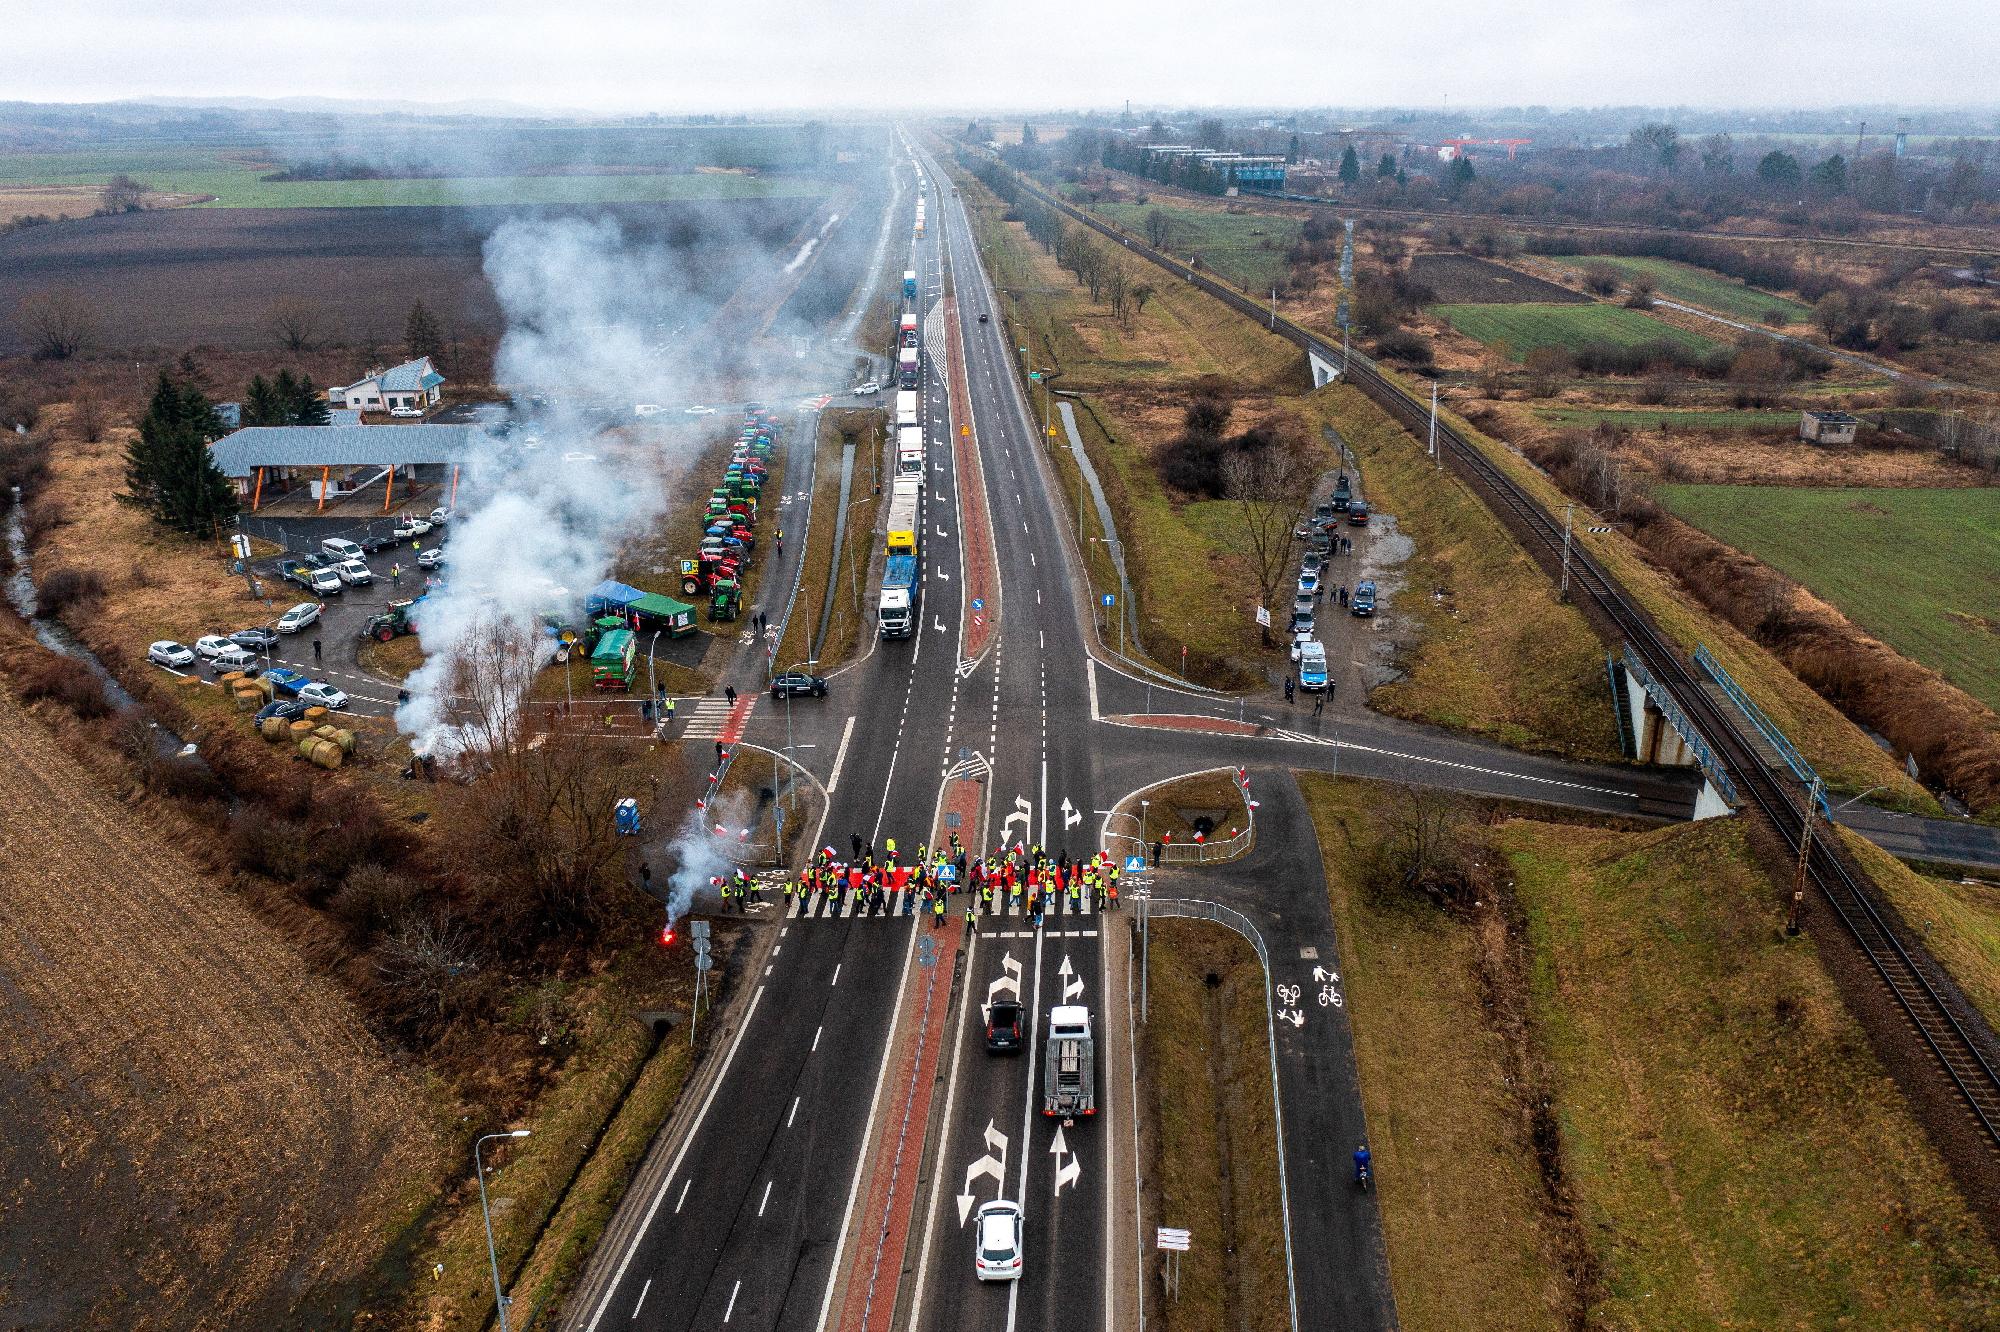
[284, 680]
[372, 541]
[298, 617]
[1003, 1027]
[168, 653]
[234, 657]
[208, 645]
[1302, 622]
[647, 409]
[1357, 514]
[409, 525]
[1312, 666]
[1363, 601]
[284, 709]
[1302, 602]
[794, 683]
[406, 411]
[699, 410]
[868, 389]
[431, 559]
[576, 456]
[322, 695]
[325, 582]
[440, 516]
[1313, 562]
[1309, 583]
[997, 1241]
[355, 571]
[340, 548]
[258, 639]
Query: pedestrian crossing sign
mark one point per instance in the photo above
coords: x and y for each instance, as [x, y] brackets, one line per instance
[1135, 862]
[948, 873]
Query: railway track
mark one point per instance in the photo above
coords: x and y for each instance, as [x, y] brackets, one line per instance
[1903, 970]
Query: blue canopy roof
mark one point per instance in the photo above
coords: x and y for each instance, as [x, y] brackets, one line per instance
[612, 593]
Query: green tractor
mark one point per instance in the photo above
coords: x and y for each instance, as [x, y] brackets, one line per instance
[391, 624]
[726, 604]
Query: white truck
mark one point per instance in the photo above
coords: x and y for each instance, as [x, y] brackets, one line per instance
[1069, 1065]
[906, 408]
[910, 454]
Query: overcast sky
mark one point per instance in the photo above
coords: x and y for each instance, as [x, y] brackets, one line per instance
[674, 56]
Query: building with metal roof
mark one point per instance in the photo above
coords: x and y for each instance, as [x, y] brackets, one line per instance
[336, 460]
[410, 387]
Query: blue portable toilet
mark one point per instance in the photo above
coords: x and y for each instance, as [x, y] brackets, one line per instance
[628, 817]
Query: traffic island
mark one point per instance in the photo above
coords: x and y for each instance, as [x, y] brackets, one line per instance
[975, 519]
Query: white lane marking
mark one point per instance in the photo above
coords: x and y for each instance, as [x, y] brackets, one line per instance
[733, 1290]
[950, 1099]
[1090, 675]
[795, 1112]
[693, 1131]
[767, 1196]
[817, 1031]
[1027, 1115]
[682, 1200]
[642, 1297]
[840, 758]
[836, 974]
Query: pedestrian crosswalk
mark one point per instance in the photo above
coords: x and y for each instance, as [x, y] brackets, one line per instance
[718, 718]
[910, 902]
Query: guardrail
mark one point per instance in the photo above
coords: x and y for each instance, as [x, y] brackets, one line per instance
[1794, 760]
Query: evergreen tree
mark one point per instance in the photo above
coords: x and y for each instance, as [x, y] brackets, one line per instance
[1830, 175]
[1386, 168]
[307, 404]
[168, 471]
[1779, 169]
[1460, 175]
[1028, 139]
[1292, 152]
[422, 334]
[261, 404]
[1350, 166]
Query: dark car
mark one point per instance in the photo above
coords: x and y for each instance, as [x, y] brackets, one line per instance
[1003, 1027]
[792, 683]
[284, 709]
[256, 640]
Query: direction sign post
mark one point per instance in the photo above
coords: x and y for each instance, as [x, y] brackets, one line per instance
[1173, 1243]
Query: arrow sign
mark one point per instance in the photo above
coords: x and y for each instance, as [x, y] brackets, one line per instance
[1024, 814]
[941, 531]
[1293, 1016]
[939, 626]
[1067, 1172]
[1071, 986]
[1009, 982]
[985, 1165]
[1071, 814]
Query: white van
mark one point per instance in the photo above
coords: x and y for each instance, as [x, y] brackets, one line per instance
[341, 549]
[1312, 666]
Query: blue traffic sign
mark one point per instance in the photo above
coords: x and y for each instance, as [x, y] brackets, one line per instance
[979, 603]
[1110, 600]
[949, 873]
[1135, 862]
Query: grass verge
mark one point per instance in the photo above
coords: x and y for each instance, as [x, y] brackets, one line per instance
[1205, 1090]
[853, 588]
[1700, 286]
[1498, 655]
[1247, 249]
[1516, 330]
[1635, 418]
[1730, 1150]
[1958, 920]
[1858, 549]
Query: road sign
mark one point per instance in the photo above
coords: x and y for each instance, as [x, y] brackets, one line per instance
[1035, 375]
[926, 951]
[1263, 618]
[698, 929]
[1135, 862]
[703, 962]
[1177, 1240]
[1110, 600]
[979, 603]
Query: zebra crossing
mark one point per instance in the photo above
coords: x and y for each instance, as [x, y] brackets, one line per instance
[718, 718]
[910, 902]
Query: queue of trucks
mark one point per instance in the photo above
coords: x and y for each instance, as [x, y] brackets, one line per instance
[902, 570]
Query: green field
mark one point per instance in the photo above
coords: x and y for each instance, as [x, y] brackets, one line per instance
[1699, 286]
[1247, 249]
[1638, 418]
[1520, 329]
[1920, 569]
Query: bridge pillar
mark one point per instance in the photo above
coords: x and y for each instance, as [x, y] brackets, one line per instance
[1324, 371]
[1710, 804]
[1654, 739]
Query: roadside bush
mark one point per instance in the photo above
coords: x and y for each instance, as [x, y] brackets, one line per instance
[372, 899]
[1600, 279]
[63, 681]
[1403, 345]
[24, 461]
[62, 589]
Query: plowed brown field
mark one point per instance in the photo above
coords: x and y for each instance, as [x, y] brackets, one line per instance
[198, 1132]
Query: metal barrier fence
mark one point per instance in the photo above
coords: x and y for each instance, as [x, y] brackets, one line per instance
[1765, 726]
[302, 535]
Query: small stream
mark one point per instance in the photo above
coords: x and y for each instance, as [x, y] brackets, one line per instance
[52, 634]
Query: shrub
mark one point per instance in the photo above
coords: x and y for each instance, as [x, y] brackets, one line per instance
[1403, 345]
[66, 682]
[63, 588]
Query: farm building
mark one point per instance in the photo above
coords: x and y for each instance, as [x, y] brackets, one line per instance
[410, 387]
[1827, 427]
[333, 461]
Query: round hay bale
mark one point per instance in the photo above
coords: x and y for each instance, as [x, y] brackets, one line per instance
[266, 688]
[323, 753]
[247, 700]
[229, 678]
[344, 738]
[301, 730]
[276, 729]
[315, 715]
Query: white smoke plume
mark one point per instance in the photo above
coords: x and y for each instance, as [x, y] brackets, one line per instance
[588, 317]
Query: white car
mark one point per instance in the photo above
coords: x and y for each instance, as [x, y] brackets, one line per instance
[867, 390]
[297, 618]
[354, 571]
[410, 526]
[235, 657]
[699, 410]
[327, 582]
[341, 549]
[405, 411]
[168, 653]
[208, 645]
[648, 409]
[322, 695]
[575, 457]
[997, 1246]
[431, 559]
[439, 517]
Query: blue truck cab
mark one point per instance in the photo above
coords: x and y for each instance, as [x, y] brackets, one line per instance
[1363, 601]
[287, 681]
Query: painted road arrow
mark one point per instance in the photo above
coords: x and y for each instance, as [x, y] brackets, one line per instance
[1067, 1172]
[1009, 982]
[996, 1141]
[1071, 986]
[1071, 814]
[1024, 814]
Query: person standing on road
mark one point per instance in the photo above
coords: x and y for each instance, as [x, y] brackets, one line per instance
[1288, 689]
[396, 573]
[316, 651]
[729, 693]
[937, 912]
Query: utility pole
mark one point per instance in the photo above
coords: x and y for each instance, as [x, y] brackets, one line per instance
[1805, 854]
[1434, 420]
[1569, 513]
[1274, 309]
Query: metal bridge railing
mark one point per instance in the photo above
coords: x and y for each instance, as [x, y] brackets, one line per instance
[1765, 726]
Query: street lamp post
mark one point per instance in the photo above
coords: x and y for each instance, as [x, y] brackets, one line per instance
[486, 1213]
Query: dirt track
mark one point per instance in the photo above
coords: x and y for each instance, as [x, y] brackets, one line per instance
[199, 1133]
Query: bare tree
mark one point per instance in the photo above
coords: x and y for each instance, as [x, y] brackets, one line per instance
[424, 963]
[1268, 485]
[1140, 295]
[295, 322]
[59, 322]
[122, 194]
[1159, 228]
[87, 415]
[1117, 287]
[1427, 837]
